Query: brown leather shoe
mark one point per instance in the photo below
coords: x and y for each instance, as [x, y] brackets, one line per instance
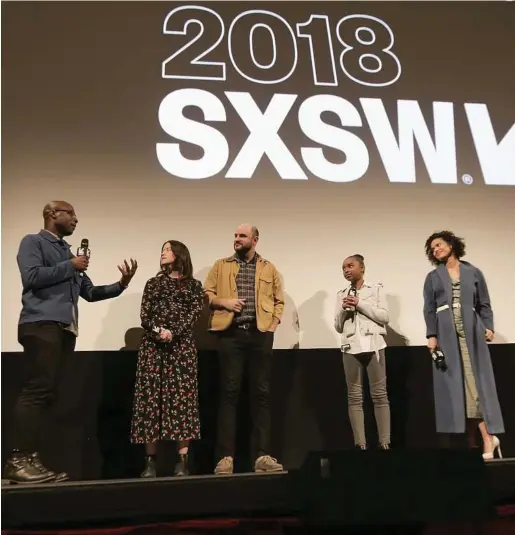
[20, 469]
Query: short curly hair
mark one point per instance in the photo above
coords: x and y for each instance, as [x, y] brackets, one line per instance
[457, 245]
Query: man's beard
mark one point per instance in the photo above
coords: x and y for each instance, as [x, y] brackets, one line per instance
[242, 251]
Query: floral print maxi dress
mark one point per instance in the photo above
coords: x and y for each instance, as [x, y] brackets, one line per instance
[166, 392]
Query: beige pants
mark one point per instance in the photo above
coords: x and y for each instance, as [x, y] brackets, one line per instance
[355, 366]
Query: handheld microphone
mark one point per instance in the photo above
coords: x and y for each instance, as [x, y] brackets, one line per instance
[439, 360]
[352, 293]
[84, 250]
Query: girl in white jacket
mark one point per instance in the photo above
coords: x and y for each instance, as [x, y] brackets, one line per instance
[361, 317]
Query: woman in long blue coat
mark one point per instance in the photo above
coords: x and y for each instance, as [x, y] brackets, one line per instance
[459, 321]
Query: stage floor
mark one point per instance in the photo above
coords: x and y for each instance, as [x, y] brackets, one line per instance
[138, 501]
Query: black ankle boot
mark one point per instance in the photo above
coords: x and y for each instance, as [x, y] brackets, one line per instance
[181, 467]
[150, 467]
[21, 468]
[58, 476]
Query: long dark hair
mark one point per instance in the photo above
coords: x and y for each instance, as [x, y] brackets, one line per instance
[182, 262]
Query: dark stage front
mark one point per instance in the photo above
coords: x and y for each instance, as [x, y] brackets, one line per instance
[359, 489]
[89, 429]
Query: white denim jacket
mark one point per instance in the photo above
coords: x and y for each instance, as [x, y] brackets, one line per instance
[372, 312]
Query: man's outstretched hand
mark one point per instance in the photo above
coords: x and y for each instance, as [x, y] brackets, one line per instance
[127, 272]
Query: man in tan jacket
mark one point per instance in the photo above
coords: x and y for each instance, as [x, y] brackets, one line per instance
[246, 298]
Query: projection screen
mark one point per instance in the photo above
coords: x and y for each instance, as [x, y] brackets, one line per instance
[336, 128]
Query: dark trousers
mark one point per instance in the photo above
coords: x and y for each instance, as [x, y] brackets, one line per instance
[237, 348]
[46, 348]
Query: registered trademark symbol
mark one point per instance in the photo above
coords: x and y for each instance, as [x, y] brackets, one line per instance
[467, 179]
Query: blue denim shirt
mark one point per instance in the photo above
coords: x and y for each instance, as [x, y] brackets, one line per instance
[51, 285]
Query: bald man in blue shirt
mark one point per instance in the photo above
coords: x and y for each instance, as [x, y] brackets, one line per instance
[53, 280]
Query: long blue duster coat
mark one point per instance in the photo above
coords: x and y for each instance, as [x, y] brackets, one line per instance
[449, 392]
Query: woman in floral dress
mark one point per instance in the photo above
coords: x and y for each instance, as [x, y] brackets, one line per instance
[166, 393]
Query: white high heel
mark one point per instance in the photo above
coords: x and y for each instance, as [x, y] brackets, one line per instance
[496, 445]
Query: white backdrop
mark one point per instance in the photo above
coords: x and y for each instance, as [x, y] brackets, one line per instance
[307, 250]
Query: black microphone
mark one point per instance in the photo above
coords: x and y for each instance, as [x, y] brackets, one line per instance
[352, 293]
[84, 250]
[439, 360]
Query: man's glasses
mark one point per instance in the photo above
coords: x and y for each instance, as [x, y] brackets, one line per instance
[69, 212]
